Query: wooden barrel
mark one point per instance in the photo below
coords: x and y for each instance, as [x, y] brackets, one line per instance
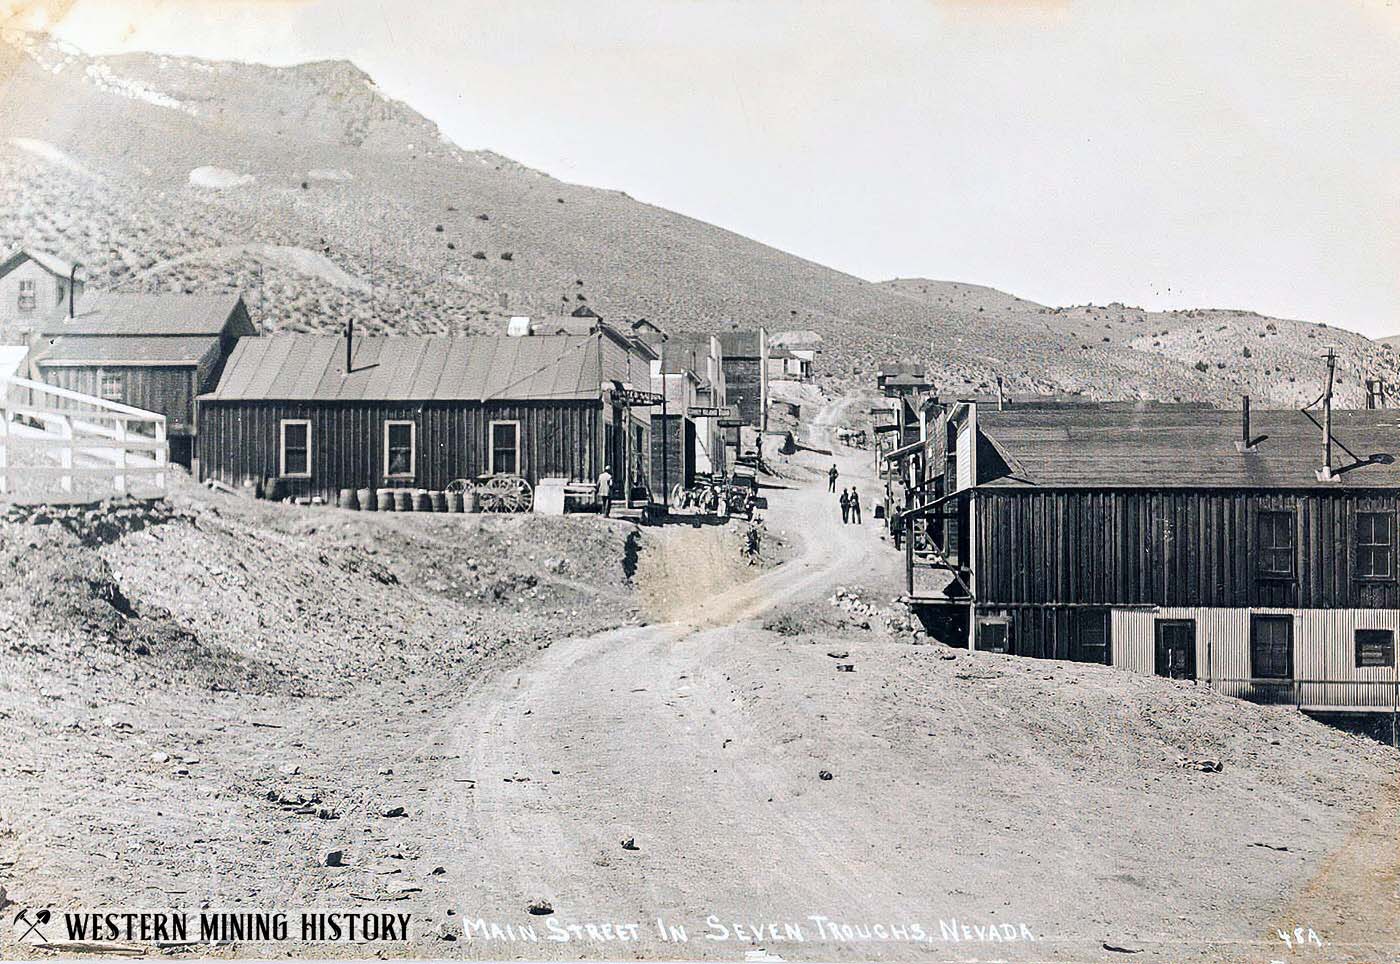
[347, 499]
[403, 500]
[366, 499]
[421, 501]
[276, 490]
[386, 500]
[471, 501]
[454, 501]
[439, 500]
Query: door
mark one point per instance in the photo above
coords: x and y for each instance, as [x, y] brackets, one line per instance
[1176, 648]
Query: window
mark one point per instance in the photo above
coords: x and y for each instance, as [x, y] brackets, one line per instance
[505, 448]
[1274, 545]
[1089, 636]
[28, 295]
[1375, 647]
[1375, 545]
[993, 636]
[1271, 647]
[400, 449]
[110, 386]
[296, 448]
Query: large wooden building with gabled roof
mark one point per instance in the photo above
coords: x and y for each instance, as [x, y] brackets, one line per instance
[1187, 542]
[421, 411]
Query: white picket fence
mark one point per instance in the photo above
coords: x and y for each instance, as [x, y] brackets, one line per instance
[58, 445]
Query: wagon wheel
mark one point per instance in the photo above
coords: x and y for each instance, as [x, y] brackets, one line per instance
[506, 493]
[458, 487]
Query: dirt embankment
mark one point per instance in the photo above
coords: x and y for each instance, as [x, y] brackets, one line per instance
[201, 699]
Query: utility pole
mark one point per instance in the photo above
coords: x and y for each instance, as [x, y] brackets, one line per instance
[1326, 472]
[665, 434]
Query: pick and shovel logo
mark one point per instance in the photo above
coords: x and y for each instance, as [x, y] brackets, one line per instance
[29, 926]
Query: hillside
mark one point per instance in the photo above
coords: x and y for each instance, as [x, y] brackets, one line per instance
[319, 197]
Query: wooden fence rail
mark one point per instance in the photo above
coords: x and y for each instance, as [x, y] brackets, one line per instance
[50, 434]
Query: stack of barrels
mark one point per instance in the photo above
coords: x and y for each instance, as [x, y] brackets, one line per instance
[408, 500]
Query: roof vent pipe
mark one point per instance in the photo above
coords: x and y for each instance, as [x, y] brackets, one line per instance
[1325, 473]
[1246, 442]
[349, 341]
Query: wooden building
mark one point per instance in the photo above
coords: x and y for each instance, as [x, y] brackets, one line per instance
[155, 352]
[745, 358]
[421, 411]
[33, 285]
[1192, 543]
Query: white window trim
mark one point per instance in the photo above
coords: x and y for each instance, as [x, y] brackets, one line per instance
[282, 449]
[102, 376]
[412, 448]
[491, 443]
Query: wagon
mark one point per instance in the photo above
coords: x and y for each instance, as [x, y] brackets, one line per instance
[496, 493]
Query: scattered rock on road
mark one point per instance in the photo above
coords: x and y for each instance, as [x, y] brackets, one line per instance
[393, 812]
[825, 774]
[540, 907]
[629, 843]
[333, 858]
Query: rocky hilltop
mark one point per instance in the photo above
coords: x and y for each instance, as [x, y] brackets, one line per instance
[321, 198]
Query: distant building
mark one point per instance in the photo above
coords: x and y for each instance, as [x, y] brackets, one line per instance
[156, 352]
[690, 371]
[33, 284]
[1179, 541]
[421, 411]
[745, 361]
[800, 350]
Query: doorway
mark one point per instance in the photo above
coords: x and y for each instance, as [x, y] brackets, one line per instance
[1176, 648]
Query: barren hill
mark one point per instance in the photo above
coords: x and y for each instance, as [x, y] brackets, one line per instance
[319, 197]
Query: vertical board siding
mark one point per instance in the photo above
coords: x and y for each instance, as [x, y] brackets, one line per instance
[165, 390]
[239, 442]
[1169, 548]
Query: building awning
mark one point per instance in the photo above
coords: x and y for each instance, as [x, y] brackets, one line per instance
[935, 503]
[904, 450]
[886, 428]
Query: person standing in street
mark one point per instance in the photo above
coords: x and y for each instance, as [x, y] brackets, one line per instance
[855, 506]
[605, 490]
[831, 477]
[845, 506]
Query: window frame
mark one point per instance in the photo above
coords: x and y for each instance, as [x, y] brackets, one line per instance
[1277, 619]
[1259, 549]
[27, 295]
[491, 445]
[102, 393]
[1358, 546]
[1388, 662]
[1078, 619]
[389, 423]
[282, 448]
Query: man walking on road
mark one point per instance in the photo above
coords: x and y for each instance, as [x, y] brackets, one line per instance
[845, 506]
[831, 477]
[605, 490]
[855, 506]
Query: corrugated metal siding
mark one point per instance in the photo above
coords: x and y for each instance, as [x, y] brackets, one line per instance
[239, 441]
[1168, 548]
[1324, 653]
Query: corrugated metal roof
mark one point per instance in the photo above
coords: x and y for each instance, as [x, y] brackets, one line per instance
[161, 313]
[1088, 445]
[413, 368]
[169, 349]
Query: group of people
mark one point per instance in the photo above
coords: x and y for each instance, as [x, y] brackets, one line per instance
[850, 498]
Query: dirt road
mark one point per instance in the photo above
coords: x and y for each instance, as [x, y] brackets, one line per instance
[634, 734]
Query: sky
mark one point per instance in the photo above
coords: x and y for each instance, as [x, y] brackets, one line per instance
[1227, 153]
